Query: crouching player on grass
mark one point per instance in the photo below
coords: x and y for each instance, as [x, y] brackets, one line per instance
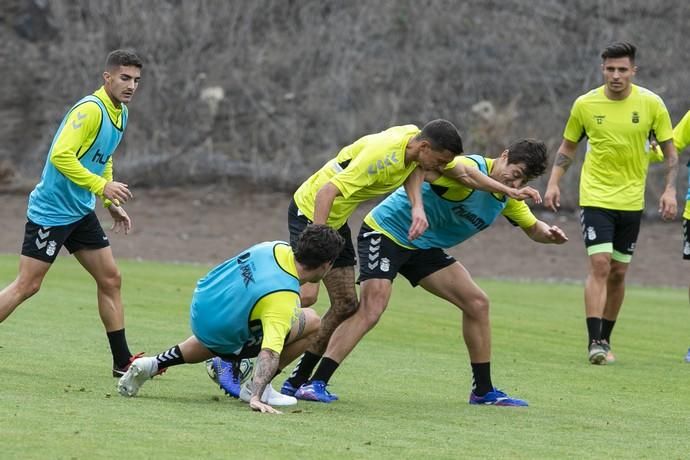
[249, 306]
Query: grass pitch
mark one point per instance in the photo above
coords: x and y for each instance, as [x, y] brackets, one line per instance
[403, 390]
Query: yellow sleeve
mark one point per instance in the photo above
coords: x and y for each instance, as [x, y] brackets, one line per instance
[681, 133]
[77, 136]
[277, 312]
[361, 172]
[518, 213]
[454, 162]
[574, 129]
[663, 130]
[108, 176]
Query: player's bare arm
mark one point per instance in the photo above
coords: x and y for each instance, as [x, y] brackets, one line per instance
[413, 189]
[264, 370]
[541, 232]
[564, 159]
[323, 202]
[668, 205]
[473, 178]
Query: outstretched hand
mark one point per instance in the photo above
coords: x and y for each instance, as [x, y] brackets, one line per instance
[556, 235]
[525, 193]
[120, 219]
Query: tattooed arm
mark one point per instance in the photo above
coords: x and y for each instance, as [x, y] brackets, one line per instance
[564, 158]
[264, 371]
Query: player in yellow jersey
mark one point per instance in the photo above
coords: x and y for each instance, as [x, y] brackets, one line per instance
[456, 213]
[618, 119]
[681, 140]
[78, 168]
[371, 167]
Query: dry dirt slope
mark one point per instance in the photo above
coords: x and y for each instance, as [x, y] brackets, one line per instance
[208, 224]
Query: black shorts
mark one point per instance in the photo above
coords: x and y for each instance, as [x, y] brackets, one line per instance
[298, 222]
[686, 239]
[610, 231]
[382, 258]
[44, 243]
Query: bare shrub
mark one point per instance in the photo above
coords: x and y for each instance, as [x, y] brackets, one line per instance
[270, 89]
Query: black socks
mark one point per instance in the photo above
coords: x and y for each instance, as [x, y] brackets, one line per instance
[172, 357]
[304, 368]
[481, 378]
[119, 348]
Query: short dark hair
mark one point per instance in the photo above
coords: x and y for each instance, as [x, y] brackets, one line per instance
[442, 135]
[318, 244]
[530, 152]
[619, 50]
[125, 58]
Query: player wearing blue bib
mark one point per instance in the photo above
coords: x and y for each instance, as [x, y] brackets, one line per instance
[455, 213]
[250, 306]
[450, 222]
[78, 167]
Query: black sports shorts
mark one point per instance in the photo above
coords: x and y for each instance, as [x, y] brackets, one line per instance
[298, 222]
[44, 243]
[382, 258]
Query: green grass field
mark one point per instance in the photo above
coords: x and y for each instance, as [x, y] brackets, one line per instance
[403, 391]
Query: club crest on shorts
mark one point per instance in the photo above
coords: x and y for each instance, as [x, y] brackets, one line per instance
[686, 248]
[50, 250]
[385, 264]
[591, 234]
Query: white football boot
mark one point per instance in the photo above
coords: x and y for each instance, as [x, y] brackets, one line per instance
[141, 370]
[270, 396]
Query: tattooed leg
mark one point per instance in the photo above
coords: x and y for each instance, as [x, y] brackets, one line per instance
[340, 283]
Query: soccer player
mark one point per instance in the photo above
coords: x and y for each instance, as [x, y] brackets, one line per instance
[681, 140]
[78, 168]
[455, 213]
[618, 119]
[249, 306]
[372, 166]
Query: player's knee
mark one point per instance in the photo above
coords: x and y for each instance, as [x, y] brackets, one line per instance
[600, 268]
[111, 281]
[617, 275]
[307, 299]
[347, 307]
[478, 306]
[312, 321]
[27, 287]
[371, 313]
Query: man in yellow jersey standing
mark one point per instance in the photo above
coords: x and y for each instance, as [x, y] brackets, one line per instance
[78, 168]
[618, 119]
[681, 140]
